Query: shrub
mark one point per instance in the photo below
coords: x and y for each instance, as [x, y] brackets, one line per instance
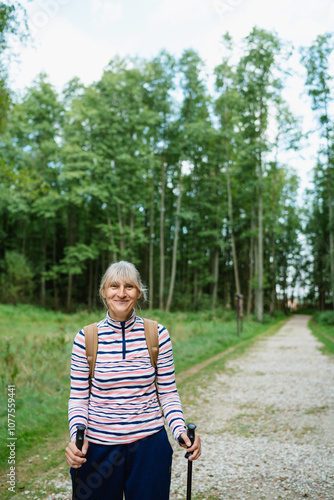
[16, 278]
[325, 318]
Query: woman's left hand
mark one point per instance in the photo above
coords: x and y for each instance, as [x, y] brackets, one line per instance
[194, 449]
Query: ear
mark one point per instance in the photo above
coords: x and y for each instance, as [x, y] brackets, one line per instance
[139, 294]
[103, 293]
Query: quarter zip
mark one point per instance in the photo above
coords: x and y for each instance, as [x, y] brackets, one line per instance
[123, 339]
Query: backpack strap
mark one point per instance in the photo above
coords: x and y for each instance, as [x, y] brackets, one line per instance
[91, 341]
[152, 340]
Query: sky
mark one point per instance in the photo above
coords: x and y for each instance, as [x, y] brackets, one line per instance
[79, 38]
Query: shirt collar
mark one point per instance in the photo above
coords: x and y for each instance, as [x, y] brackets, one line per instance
[117, 325]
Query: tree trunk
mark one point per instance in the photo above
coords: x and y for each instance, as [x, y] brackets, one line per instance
[69, 292]
[234, 252]
[176, 237]
[215, 277]
[251, 267]
[273, 274]
[330, 207]
[273, 250]
[54, 262]
[321, 298]
[103, 262]
[195, 292]
[216, 249]
[256, 273]
[95, 284]
[285, 296]
[90, 284]
[151, 249]
[162, 235]
[230, 212]
[121, 230]
[43, 264]
[260, 251]
[331, 235]
[112, 240]
[71, 241]
[260, 215]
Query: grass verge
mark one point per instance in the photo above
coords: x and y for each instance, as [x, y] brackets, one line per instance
[322, 327]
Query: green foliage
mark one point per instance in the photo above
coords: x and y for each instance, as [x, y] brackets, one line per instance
[13, 25]
[320, 212]
[146, 165]
[318, 81]
[325, 318]
[16, 278]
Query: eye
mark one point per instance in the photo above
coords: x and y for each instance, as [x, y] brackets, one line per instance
[129, 287]
[113, 285]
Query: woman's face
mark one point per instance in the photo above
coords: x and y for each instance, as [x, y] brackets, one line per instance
[121, 298]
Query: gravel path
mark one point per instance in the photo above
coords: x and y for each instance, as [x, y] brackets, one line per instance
[267, 423]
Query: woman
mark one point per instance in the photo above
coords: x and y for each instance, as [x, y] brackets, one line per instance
[126, 449]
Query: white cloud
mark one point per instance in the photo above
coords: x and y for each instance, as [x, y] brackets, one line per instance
[62, 51]
[42, 12]
[297, 21]
[109, 11]
[181, 11]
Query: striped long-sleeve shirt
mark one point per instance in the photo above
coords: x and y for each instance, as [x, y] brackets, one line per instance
[123, 405]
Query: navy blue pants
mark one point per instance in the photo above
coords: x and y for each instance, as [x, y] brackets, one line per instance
[142, 470]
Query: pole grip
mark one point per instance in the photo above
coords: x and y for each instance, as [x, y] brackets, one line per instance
[80, 436]
[191, 435]
[79, 440]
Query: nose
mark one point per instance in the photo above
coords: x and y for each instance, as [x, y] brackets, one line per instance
[121, 291]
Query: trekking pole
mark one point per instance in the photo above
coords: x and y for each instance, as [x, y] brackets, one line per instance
[191, 436]
[78, 442]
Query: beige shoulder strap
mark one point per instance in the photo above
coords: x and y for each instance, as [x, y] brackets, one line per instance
[91, 340]
[152, 340]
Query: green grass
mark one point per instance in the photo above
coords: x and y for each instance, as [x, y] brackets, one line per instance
[35, 356]
[322, 326]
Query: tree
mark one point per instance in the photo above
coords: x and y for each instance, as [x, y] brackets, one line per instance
[259, 86]
[160, 83]
[80, 188]
[318, 83]
[31, 152]
[10, 27]
[186, 144]
[227, 108]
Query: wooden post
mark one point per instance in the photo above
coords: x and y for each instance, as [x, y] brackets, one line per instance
[240, 314]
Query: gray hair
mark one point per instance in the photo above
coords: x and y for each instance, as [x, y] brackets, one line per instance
[122, 272]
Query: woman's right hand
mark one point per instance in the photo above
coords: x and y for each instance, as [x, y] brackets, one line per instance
[74, 457]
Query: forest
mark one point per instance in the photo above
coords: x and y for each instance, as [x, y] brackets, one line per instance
[176, 169]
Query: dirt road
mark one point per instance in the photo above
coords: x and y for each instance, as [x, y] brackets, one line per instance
[267, 423]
